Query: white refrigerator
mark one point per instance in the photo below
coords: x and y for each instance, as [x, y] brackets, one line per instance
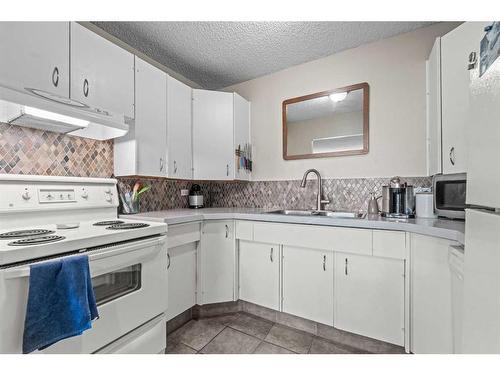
[481, 313]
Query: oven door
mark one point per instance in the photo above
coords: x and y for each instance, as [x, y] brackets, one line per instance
[130, 285]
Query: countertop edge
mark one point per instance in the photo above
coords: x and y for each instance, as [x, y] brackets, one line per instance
[182, 218]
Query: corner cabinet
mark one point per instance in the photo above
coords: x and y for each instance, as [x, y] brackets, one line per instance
[179, 130]
[448, 81]
[217, 263]
[143, 151]
[217, 117]
[370, 296]
[35, 55]
[102, 74]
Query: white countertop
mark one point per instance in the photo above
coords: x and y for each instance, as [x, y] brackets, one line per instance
[449, 229]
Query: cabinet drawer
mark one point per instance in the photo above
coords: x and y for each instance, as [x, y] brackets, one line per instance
[389, 244]
[182, 234]
[348, 240]
[244, 230]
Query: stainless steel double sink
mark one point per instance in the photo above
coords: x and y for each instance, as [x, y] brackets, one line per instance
[312, 213]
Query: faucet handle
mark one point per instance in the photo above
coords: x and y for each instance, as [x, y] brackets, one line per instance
[325, 201]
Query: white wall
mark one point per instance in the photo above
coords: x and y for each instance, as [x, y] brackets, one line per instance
[395, 70]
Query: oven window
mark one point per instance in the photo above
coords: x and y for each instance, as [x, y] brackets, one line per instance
[451, 195]
[115, 284]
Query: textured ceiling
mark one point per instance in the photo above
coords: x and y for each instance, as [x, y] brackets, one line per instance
[220, 54]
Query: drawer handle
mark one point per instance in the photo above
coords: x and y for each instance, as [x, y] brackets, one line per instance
[227, 231]
[55, 76]
[168, 258]
[271, 255]
[324, 262]
[452, 156]
[85, 87]
[345, 268]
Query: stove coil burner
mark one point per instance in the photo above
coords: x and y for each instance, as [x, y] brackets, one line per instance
[108, 222]
[25, 233]
[128, 226]
[36, 240]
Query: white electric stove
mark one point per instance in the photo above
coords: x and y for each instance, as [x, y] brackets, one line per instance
[42, 218]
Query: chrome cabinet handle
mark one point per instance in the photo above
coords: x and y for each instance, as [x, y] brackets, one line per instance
[472, 60]
[55, 76]
[271, 255]
[227, 169]
[168, 258]
[345, 269]
[227, 231]
[161, 164]
[452, 156]
[85, 87]
[324, 262]
[175, 166]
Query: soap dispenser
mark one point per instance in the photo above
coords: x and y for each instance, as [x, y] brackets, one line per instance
[373, 205]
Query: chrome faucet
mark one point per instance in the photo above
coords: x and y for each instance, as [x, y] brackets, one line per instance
[320, 200]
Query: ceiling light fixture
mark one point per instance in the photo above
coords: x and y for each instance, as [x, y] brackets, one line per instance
[338, 96]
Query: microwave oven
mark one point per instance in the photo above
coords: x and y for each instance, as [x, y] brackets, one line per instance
[449, 195]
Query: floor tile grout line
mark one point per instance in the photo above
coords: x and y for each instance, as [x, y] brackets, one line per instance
[213, 338]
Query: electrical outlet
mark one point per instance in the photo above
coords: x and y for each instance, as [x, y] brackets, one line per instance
[184, 192]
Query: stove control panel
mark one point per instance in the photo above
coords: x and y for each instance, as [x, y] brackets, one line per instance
[56, 195]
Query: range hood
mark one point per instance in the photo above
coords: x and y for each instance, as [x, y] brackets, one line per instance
[41, 110]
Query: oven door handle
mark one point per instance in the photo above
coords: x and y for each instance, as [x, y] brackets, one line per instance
[18, 272]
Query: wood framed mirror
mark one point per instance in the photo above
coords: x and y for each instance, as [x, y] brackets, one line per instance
[326, 124]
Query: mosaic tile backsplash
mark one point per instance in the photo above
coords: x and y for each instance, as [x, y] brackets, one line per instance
[344, 194]
[30, 151]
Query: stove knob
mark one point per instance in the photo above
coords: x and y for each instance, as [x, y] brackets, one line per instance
[26, 196]
[85, 195]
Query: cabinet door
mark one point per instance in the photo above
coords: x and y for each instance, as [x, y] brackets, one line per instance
[35, 55]
[308, 283]
[431, 317]
[102, 74]
[179, 132]
[241, 133]
[455, 49]
[259, 273]
[434, 153]
[181, 279]
[369, 296]
[150, 119]
[217, 267]
[213, 135]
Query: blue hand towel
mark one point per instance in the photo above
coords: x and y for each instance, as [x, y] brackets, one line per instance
[61, 302]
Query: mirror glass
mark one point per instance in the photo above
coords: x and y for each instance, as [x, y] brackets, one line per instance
[325, 124]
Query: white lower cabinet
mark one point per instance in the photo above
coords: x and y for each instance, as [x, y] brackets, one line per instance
[431, 305]
[308, 283]
[369, 296]
[181, 279]
[217, 262]
[259, 273]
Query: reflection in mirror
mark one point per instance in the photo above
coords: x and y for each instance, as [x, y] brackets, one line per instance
[330, 123]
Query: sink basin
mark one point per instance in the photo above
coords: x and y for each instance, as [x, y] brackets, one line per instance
[334, 214]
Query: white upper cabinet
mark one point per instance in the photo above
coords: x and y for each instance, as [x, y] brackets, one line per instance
[102, 74]
[179, 130]
[35, 55]
[456, 46]
[259, 273]
[369, 296]
[241, 134]
[213, 135]
[143, 151]
[308, 283]
[434, 160]
[221, 123]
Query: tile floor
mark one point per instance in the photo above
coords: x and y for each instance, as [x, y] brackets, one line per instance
[242, 333]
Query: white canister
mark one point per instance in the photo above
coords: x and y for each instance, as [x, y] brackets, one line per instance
[424, 205]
